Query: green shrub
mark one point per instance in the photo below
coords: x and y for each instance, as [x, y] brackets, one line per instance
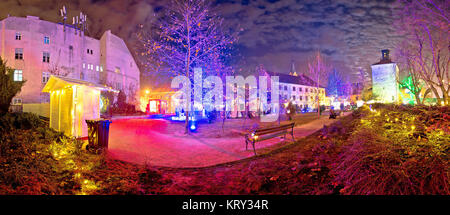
[19, 121]
[392, 152]
[8, 87]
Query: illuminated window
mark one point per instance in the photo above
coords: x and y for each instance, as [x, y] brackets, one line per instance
[97, 68]
[46, 57]
[153, 106]
[18, 36]
[18, 75]
[45, 77]
[19, 54]
[117, 70]
[101, 68]
[84, 66]
[46, 40]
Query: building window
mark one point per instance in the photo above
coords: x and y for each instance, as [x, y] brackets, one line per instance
[90, 51]
[300, 89]
[45, 77]
[306, 89]
[19, 54]
[17, 101]
[18, 36]
[84, 66]
[97, 68]
[306, 98]
[18, 75]
[293, 88]
[101, 68]
[293, 97]
[117, 70]
[301, 98]
[46, 57]
[285, 88]
[46, 40]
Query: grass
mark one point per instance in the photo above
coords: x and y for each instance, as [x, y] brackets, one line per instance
[363, 153]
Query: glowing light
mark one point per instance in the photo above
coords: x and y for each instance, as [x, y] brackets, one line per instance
[413, 127]
[193, 127]
[147, 91]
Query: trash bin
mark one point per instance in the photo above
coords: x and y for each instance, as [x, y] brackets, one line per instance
[98, 135]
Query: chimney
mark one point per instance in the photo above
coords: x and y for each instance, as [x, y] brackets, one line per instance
[385, 54]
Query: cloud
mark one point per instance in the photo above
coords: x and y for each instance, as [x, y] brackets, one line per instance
[349, 33]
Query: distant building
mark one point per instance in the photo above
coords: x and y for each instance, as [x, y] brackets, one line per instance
[384, 80]
[36, 49]
[300, 90]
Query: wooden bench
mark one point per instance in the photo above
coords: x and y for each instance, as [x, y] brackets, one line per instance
[262, 134]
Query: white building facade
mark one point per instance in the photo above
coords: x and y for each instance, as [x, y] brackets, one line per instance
[384, 80]
[36, 49]
[300, 90]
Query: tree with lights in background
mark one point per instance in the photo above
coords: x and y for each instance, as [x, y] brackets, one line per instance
[425, 49]
[189, 35]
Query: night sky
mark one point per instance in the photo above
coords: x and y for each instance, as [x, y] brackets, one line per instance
[350, 34]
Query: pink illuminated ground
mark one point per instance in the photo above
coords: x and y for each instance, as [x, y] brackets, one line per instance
[160, 142]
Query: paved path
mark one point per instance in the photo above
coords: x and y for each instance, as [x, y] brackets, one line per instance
[144, 141]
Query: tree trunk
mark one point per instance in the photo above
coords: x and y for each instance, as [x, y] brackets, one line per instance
[188, 101]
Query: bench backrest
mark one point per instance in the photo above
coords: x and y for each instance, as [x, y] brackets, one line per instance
[263, 131]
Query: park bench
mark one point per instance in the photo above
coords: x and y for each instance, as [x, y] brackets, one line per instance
[262, 134]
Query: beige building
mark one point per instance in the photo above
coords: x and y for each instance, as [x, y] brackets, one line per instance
[36, 49]
[300, 90]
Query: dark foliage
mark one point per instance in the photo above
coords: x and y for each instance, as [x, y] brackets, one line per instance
[8, 87]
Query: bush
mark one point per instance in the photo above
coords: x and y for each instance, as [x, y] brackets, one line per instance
[19, 121]
[392, 152]
[9, 88]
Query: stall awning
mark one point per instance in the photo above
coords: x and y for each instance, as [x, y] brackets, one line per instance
[57, 83]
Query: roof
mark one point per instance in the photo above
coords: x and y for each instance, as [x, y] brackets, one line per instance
[383, 61]
[290, 79]
[58, 82]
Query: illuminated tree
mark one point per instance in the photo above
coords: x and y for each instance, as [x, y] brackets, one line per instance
[318, 71]
[425, 49]
[334, 83]
[189, 35]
